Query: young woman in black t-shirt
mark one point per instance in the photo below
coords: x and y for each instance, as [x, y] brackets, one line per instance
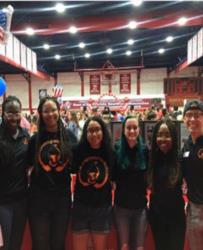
[166, 213]
[13, 177]
[93, 164]
[130, 195]
[49, 192]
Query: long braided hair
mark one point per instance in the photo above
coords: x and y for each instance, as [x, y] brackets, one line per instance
[64, 140]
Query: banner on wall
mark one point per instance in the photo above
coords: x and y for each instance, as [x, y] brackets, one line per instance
[113, 102]
[125, 83]
[95, 84]
[195, 47]
[183, 86]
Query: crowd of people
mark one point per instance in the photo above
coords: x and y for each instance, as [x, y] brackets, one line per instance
[36, 173]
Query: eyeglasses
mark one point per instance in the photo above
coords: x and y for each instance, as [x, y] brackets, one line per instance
[195, 115]
[13, 115]
[93, 130]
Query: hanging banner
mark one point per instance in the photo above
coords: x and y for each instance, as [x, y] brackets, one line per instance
[125, 83]
[113, 103]
[95, 84]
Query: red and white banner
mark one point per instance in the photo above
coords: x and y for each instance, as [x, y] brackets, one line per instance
[113, 103]
[57, 91]
[95, 84]
[125, 83]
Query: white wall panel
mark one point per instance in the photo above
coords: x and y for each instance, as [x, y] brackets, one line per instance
[71, 83]
[152, 81]
[40, 84]
[188, 72]
[18, 86]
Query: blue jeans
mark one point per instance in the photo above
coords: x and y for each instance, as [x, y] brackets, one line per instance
[131, 225]
[49, 217]
[12, 220]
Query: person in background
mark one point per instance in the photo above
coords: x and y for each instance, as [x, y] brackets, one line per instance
[24, 123]
[93, 163]
[73, 124]
[33, 124]
[192, 164]
[159, 113]
[107, 115]
[151, 115]
[166, 211]
[13, 172]
[130, 178]
[49, 155]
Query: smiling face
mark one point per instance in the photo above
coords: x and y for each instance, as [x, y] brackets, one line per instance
[193, 120]
[131, 130]
[50, 115]
[94, 134]
[12, 115]
[164, 139]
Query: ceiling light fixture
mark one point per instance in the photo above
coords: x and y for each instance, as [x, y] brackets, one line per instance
[130, 42]
[109, 51]
[161, 51]
[136, 2]
[82, 45]
[132, 25]
[169, 39]
[60, 8]
[182, 20]
[57, 57]
[73, 30]
[29, 31]
[46, 46]
[128, 53]
[87, 55]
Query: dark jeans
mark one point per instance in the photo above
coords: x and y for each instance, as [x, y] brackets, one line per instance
[131, 225]
[48, 217]
[12, 220]
[168, 231]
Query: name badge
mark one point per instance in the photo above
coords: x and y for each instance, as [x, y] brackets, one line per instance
[186, 154]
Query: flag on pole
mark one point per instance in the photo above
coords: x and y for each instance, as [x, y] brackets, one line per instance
[3, 19]
[57, 91]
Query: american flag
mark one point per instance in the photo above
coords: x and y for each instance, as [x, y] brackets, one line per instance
[3, 19]
[57, 91]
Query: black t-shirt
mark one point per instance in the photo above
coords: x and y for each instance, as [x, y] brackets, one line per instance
[94, 174]
[166, 199]
[192, 163]
[13, 165]
[131, 182]
[50, 173]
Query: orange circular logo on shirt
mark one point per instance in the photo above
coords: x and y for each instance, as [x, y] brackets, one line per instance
[200, 153]
[93, 172]
[50, 156]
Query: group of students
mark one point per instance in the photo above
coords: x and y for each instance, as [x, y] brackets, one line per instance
[53, 154]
